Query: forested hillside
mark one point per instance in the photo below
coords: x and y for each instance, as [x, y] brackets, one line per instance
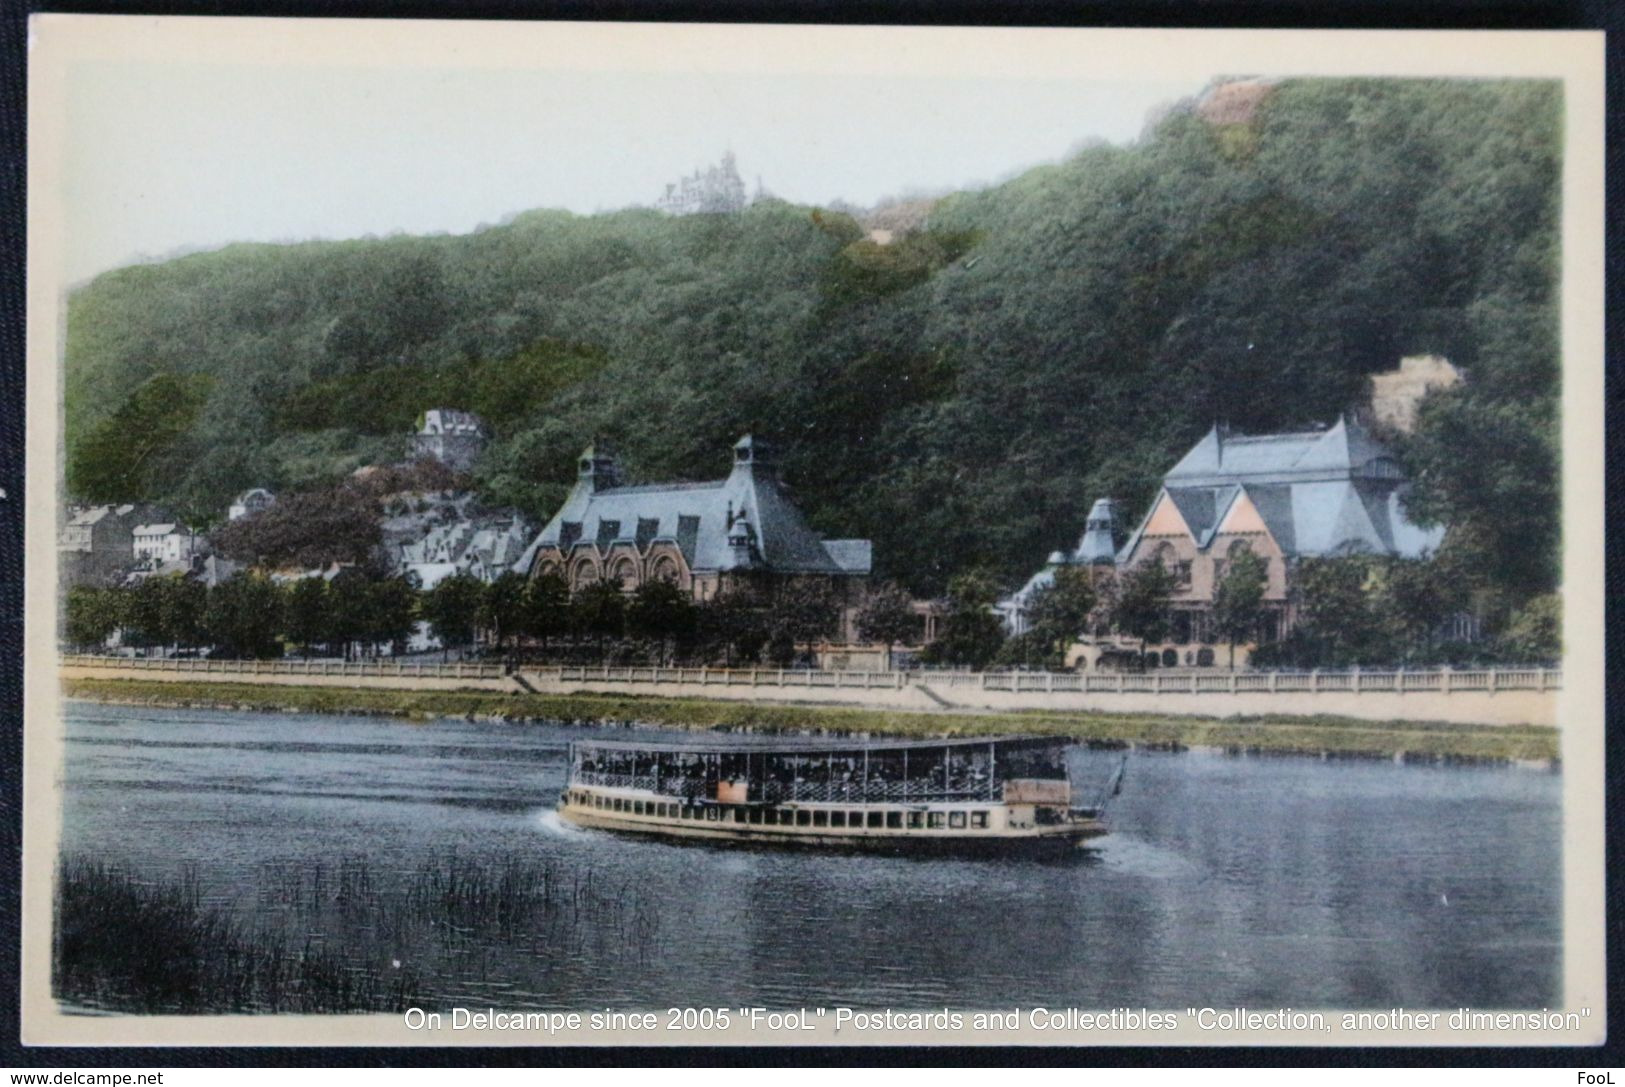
[960, 395]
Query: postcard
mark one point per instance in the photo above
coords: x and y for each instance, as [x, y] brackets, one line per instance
[618, 534]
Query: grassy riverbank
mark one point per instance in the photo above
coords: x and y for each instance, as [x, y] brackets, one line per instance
[326, 935]
[1331, 736]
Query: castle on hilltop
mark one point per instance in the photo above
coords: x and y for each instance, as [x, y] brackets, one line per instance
[714, 189]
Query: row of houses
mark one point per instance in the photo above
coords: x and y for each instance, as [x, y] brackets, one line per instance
[1327, 491]
[1283, 497]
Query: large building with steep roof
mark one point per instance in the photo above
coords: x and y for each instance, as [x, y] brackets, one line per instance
[1285, 497]
[699, 536]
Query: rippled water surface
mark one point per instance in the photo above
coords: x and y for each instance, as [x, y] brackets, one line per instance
[1226, 881]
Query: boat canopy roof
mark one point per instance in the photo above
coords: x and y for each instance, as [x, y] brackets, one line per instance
[813, 745]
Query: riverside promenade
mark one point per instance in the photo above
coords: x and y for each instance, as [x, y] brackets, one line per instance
[1496, 696]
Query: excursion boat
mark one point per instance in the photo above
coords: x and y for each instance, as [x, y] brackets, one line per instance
[1007, 795]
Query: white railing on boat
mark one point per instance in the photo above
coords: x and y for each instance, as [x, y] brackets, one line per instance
[811, 792]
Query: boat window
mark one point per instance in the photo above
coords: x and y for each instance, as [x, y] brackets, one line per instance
[916, 820]
[803, 818]
[894, 820]
[957, 820]
[637, 807]
[978, 819]
[877, 819]
[854, 819]
[820, 818]
[837, 818]
[739, 815]
[710, 815]
[756, 815]
[935, 819]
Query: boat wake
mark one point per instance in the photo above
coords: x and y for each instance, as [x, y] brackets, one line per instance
[1136, 857]
[551, 824]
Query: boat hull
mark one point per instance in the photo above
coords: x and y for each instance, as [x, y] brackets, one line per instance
[1047, 841]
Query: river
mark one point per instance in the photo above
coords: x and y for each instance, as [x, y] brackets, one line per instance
[1227, 881]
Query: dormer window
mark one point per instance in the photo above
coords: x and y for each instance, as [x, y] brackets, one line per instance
[1384, 468]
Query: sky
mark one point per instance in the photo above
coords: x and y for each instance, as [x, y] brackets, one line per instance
[168, 157]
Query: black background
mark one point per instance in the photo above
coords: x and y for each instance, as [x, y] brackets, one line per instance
[1311, 14]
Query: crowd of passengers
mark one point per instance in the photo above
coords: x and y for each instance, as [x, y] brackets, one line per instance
[786, 777]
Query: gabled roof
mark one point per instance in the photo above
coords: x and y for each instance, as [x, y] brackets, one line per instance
[1318, 492]
[698, 517]
[1202, 508]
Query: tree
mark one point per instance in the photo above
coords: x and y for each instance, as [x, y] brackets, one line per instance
[186, 600]
[1061, 611]
[1337, 624]
[310, 529]
[307, 620]
[349, 595]
[244, 617]
[1535, 632]
[1415, 598]
[452, 610]
[118, 459]
[1140, 605]
[502, 608]
[802, 611]
[1029, 650]
[547, 607]
[662, 614]
[392, 611]
[734, 621]
[146, 613]
[90, 616]
[970, 634]
[600, 612]
[888, 618]
[1238, 602]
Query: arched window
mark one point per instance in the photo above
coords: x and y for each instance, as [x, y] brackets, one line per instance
[1169, 658]
[584, 573]
[664, 569]
[626, 572]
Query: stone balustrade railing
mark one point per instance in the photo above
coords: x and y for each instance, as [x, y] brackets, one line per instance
[1391, 681]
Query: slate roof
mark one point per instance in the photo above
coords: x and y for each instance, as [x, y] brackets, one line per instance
[1097, 544]
[1221, 457]
[1318, 492]
[696, 517]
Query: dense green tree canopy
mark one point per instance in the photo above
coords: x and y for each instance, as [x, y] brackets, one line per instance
[959, 396]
